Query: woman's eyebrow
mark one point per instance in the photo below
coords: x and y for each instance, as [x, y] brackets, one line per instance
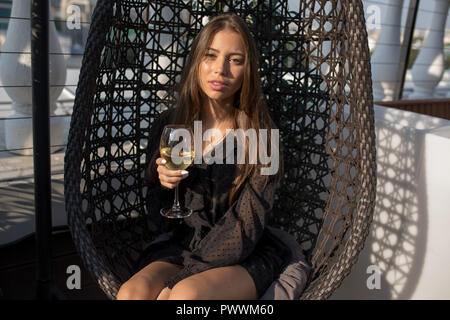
[231, 53]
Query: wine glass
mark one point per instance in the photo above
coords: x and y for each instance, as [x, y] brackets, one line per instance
[177, 148]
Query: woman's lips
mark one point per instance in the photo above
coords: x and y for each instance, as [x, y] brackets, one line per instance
[218, 86]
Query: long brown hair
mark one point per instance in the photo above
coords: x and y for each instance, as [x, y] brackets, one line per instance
[250, 109]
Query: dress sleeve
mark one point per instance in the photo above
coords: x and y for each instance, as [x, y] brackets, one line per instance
[236, 234]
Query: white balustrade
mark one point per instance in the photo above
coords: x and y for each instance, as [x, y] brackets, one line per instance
[15, 73]
[75, 12]
[386, 56]
[448, 92]
[429, 65]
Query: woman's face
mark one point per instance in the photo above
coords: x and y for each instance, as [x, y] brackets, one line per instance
[221, 69]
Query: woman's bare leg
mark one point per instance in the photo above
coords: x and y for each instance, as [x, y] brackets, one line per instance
[148, 282]
[225, 283]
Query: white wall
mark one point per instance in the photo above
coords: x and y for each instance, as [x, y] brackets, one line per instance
[409, 235]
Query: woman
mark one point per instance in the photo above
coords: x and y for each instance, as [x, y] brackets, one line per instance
[223, 250]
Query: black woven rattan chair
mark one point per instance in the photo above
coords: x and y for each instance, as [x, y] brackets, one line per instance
[315, 68]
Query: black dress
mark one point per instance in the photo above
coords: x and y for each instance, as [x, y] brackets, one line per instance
[216, 234]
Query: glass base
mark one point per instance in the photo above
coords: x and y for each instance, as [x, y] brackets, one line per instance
[176, 212]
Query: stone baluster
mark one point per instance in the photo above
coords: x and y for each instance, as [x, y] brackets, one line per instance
[15, 73]
[429, 66]
[78, 33]
[448, 93]
[386, 56]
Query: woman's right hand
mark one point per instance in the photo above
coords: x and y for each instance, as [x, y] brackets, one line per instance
[169, 178]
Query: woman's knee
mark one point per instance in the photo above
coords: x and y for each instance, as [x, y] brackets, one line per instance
[232, 282]
[137, 289]
[148, 282]
[188, 289]
[125, 291]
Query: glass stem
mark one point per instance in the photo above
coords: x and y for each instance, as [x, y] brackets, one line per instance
[176, 204]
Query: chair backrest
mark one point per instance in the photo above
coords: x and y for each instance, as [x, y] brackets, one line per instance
[315, 69]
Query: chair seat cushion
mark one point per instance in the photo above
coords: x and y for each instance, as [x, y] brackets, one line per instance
[292, 281]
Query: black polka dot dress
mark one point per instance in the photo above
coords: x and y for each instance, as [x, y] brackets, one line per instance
[216, 234]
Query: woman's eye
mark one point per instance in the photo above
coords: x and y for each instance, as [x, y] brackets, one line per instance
[236, 61]
[209, 55]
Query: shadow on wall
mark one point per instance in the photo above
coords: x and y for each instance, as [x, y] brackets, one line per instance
[398, 234]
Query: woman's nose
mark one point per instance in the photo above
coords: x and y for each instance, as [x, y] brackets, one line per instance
[220, 65]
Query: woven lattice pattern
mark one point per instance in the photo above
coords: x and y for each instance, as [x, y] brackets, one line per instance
[315, 70]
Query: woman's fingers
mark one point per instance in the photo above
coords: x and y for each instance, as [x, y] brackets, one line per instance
[170, 182]
[163, 170]
[160, 161]
[169, 178]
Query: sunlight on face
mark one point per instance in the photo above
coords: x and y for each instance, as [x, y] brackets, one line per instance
[221, 70]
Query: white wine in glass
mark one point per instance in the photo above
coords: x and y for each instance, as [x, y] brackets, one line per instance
[179, 161]
[177, 148]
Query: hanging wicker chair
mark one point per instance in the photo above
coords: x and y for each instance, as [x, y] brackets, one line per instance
[315, 69]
